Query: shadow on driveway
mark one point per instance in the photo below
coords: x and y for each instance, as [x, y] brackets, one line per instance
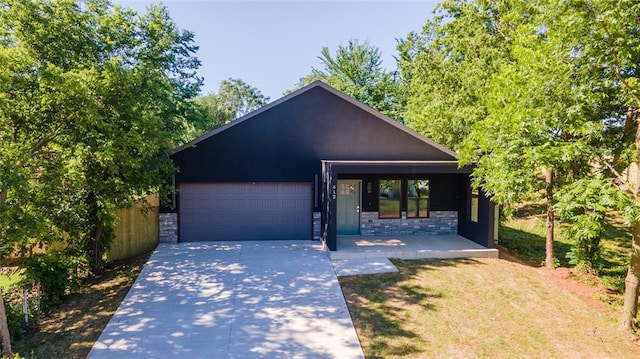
[277, 299]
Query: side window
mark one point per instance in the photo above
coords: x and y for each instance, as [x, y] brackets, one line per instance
[474, 205]
[389, 198]
[417, 198]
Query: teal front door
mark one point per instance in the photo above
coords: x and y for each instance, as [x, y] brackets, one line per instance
[348, 212]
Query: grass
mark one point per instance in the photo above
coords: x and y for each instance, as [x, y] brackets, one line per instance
[483, 308]
[494, 308]
[524, 236]
[9, 278]
[71, 328]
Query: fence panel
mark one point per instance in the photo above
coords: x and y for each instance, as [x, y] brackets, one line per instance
[136, 232]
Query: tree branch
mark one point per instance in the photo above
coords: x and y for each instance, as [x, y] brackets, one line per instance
[619, 177]
[616, 60]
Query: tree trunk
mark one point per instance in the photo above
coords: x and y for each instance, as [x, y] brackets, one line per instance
[96, 247]
[632, 283]
[4, 328]
[3, 200]
[550, 253]
[4, 331]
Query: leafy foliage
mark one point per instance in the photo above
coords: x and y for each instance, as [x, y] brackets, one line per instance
[356, 69]
[92, 96]
[53, 273]
[585, 205]
[447, 67]
[541, 96]
[235, 98]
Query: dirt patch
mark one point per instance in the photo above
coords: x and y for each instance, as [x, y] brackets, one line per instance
[585, 286]
[70, 329]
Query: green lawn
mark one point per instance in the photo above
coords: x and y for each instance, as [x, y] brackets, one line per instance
[489, 308]
[524, 236]
[477, 308]
[9, 278]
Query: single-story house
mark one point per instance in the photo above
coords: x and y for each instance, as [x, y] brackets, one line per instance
[317, 164]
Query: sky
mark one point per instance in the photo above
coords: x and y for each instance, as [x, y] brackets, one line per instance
[272, 44]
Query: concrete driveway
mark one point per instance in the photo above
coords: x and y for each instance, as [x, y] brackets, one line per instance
[269, 299]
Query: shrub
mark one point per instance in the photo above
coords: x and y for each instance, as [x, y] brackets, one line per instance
[53, 272]
[15, 320]
[584, 206]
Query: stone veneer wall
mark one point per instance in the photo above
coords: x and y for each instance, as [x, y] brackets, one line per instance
[316, 225]
[439, 222]
[168, 227]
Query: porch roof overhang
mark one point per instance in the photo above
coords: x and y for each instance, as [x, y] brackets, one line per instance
[393, 167]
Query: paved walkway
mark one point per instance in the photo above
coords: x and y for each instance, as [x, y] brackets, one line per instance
[278, 299]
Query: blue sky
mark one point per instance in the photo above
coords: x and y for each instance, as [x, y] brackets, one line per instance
[271, 44]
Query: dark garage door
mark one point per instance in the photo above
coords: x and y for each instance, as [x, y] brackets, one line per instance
[245, 211]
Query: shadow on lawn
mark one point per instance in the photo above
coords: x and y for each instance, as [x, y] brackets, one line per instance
[531, 209]
[530, 247]
[379, 305]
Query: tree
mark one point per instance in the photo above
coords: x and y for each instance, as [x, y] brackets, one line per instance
[585, 205]
[467, 90]
[235, 98]
[609, 48]
[120, 159]
[561, 113]
[447, 66]
[356, 69]
[92, 97]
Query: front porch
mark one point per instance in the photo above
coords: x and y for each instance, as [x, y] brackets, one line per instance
[409, 247]
[411, 209]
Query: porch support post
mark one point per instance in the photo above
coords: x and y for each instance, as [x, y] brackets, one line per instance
[332, 240]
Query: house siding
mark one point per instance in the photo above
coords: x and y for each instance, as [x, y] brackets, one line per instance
[443, 192]
[287, 143]
[482, 231]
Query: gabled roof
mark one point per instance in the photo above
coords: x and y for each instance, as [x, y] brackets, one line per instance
[331, 90]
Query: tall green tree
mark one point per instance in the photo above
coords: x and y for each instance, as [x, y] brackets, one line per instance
[447, 65]
[92, 97]
[467, 91]
[356, 69]
[235, 98]
[544, 97]
[543, 125]
[609, 50]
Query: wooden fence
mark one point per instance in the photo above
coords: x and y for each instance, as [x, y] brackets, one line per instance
[137, 230]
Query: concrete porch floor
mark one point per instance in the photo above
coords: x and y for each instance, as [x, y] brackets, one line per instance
[409, 247]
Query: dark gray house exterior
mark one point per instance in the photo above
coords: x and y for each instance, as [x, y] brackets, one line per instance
[317, 164]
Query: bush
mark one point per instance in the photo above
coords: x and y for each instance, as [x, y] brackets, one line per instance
[15, 320]
[53, 273]
[584, 206]
[13, 306]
